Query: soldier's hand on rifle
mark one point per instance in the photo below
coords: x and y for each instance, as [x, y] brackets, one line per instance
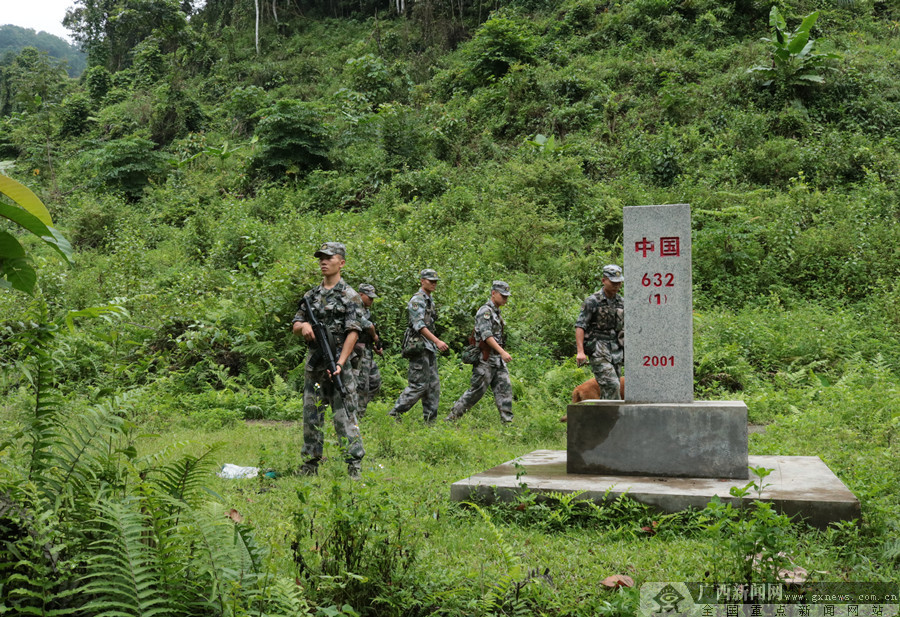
[338, 370]
[306, 331]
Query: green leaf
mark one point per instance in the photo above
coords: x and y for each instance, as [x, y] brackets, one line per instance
[23, 196]
[31, 223]
[799, 42]
[10, 247]
[110, 310]
[776, 21]
[808, 22]
[17, 274]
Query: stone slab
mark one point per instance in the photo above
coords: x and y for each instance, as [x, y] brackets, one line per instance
[659, 329]
[801, 486]
[703, 439]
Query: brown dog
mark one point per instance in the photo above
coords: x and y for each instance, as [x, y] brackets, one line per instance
[590, 390]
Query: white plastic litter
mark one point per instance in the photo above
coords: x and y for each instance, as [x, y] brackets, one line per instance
[234, 472]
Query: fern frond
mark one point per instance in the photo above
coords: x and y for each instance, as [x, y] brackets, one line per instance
[123, 570]
[215, 557]
[82, 451]
[184, 478]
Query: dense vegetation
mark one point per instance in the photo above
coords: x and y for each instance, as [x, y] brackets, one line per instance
[196, 165]
[14, 39]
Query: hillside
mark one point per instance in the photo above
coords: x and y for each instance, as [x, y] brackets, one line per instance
[14, 39]
[196, 168]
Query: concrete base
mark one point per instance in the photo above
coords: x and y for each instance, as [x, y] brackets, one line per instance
[801, 486]
[702, 439]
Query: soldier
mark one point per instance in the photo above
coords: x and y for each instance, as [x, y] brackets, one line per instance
[368, 383]
[421, 346]
[490, 333]
[339, 309]
[600, 333]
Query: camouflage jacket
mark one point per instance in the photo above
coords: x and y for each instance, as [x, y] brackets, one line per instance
[422, 313]
[602, 319]
[365, 337]
[488, 323]
[339, 309]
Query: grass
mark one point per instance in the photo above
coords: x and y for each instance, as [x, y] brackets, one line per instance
[409, 467]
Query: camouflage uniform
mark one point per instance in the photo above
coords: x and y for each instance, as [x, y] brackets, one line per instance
[340, 310]
[493, 371]
[368, 382]
[424, 382]
[603, 322]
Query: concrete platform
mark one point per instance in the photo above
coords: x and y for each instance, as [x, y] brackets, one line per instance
[800, 486]
[701, 439]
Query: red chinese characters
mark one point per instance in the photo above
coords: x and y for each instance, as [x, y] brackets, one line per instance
[668, 247]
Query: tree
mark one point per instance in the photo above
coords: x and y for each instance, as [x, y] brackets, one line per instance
[109, 29]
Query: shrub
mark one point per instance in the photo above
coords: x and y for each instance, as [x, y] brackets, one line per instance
[127, 165]
[175, 114]
[292, 141]
[97, 82]
[498, 44]
[74, 115]
[242, 105]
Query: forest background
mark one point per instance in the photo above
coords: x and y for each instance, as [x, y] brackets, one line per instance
[207, 151]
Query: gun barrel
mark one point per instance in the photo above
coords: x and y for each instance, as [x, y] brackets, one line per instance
[322, 336]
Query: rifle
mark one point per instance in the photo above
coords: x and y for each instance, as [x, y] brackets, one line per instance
[325, 341]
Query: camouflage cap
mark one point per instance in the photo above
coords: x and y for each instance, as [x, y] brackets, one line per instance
[501, 287]
[367, 289]
[331, 248]
[613, 273]
[429, 274]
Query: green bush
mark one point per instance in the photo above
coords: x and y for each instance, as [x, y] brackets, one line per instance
[292, 141]
[499, 43]
[74, 115]
[97, 82]
[127, 165]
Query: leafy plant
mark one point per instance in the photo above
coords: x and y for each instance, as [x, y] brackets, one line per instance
[90, 527]
[795, 64]
[499, 43]
[753, 541]
[29, 214]
[128, 165]
[292, 141]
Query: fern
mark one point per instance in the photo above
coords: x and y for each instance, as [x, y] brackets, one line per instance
[183, 479]
[33, 558]
[82, 451]
[123, 571]
[496, 597]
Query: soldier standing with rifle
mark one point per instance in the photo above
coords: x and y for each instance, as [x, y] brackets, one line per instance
[490, 368]
[329, 320]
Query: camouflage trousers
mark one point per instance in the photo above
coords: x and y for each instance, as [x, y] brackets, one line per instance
[318, 392]
[607, 368]
[368, 383]
[424, 384]
[493, 373]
